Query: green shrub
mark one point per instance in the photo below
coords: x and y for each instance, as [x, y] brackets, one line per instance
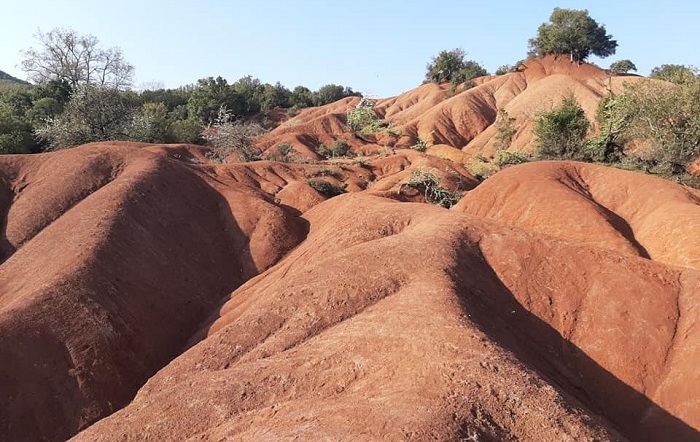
[233, 137]
[667, 117]
[326, 172]
[561, 133]
[339, 148]
[505, 129]
[288, 154]
[326, 188]
[364, 121]
[420, 146]
[505, 158]
[360, 161]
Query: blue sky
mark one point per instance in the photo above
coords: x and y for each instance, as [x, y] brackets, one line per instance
[377, 47]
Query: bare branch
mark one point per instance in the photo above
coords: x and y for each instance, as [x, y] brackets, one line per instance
[65, 55]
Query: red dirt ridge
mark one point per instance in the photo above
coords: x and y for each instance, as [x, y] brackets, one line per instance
[149, 294]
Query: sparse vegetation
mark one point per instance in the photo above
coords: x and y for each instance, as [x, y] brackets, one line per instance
[504, 69]
[428, 182]
[360, 161]
[326, 172]
[666, 118]
[482, 168]
[508, 158]
[505, 129]
[326, 188]
[675, 73]
[287, 153]
[228, 137]
[364, 120]
[339, 149]
[420, 146]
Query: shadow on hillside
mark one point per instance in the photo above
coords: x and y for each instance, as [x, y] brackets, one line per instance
[167, 258]
[6, 196]
[495, 310]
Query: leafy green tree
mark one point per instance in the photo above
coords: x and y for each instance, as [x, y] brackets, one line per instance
[667, 117]
[504, 69]
[250, 90]
[209, 95]
[63, 54]
[470, 71]
[15, 131]
[331, 93]
[171, 98]
[93, 114]
[675, 73]
[450, 66]
[622, 67]
[152, 124]
[301, 97]
[561, 133]
[42, 110]
[187, 131]
[572, 32]
[275, 96]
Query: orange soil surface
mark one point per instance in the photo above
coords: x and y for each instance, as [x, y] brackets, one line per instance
[148, 294]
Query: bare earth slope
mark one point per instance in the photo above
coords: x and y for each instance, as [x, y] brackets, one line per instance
[148, 294]
[112, 258]
[405, 321]
[461, 119]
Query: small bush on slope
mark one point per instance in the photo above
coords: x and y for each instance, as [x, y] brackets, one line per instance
[428, 181]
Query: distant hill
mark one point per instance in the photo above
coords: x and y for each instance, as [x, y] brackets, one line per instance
[4, 76]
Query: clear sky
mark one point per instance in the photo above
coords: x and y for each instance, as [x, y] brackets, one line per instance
[377, 47]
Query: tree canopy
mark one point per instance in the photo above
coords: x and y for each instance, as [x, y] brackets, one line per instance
[675, 73]
[572, 32]
[622, 67]
[451, 66]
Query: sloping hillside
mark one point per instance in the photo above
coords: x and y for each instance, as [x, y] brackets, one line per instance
[147, 294]
[460, 119]
[5, 77]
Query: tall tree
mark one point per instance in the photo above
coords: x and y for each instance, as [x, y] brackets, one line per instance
[63, 54]
[572, 32]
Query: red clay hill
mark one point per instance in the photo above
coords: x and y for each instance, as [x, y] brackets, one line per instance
[149, 294]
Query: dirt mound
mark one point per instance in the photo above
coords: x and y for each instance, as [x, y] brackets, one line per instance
[406, 321]
[627, 212]
[457, 117]
[112, 257]
[312, 127]
[148, 293]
